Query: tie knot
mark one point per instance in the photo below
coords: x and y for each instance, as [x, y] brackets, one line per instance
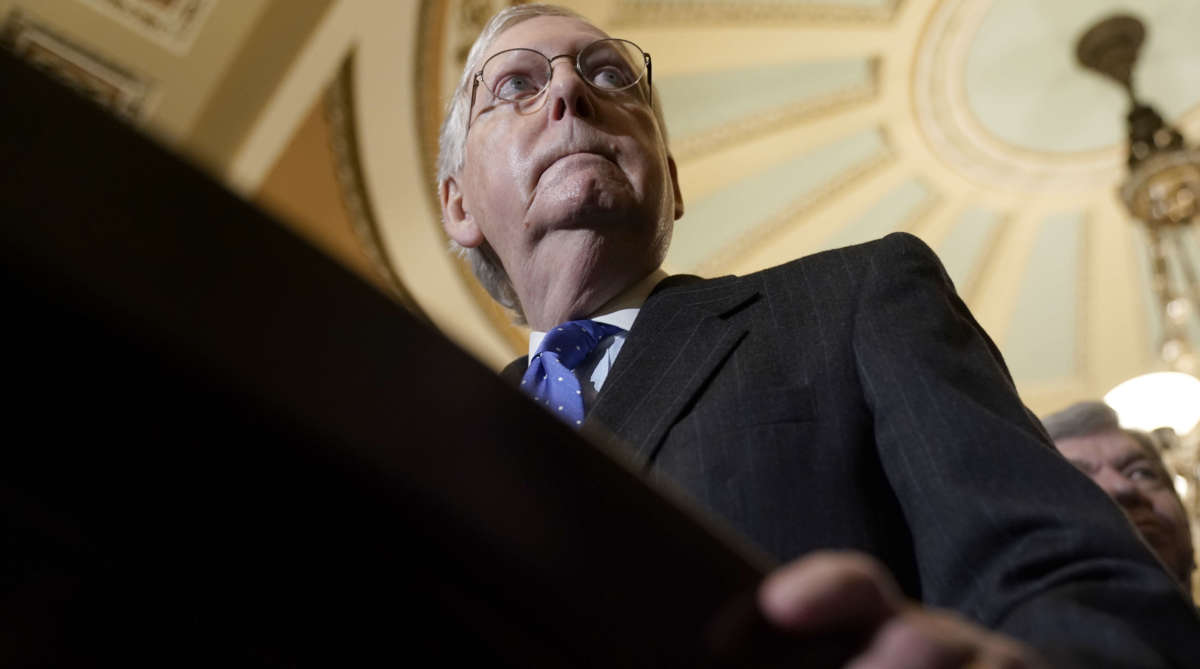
[573, 341]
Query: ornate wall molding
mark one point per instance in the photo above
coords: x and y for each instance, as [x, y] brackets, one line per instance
[957, 137]
[774, 120]
[763, 233]
[987, 261]
[344, 143]
[629, 12]
[128, 94]
[169, 23]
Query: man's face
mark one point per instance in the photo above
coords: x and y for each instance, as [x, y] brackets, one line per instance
[577, 175]
[1137, 481]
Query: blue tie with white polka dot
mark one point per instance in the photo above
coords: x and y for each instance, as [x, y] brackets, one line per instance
[550, 381]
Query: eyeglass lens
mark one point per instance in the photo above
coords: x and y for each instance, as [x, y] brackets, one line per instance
[520, 74]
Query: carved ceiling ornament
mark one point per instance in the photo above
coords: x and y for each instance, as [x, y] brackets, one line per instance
[776, 119]
[344, 144]
[764, 232]
[957, 137]
[128, 94]
[656, 11]
[171, 23]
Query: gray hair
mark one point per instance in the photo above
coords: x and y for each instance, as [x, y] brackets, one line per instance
[452, 141]
[1084, 418]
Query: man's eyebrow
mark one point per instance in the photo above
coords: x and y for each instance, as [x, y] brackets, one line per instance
[1085, 465]
[1133, 458]
[1125, 460]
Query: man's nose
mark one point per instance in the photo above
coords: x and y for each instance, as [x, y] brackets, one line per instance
[1120, 488]
[569, 94]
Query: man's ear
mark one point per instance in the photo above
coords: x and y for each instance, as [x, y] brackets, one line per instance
[456, 216]
[675, 185]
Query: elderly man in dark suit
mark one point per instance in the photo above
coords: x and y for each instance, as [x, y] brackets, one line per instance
[844, 411]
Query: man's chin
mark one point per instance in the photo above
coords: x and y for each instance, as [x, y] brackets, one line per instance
[586, 198]
[593, 214]
[1162, 541]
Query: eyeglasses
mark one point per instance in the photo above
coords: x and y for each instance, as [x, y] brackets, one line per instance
[520, 75]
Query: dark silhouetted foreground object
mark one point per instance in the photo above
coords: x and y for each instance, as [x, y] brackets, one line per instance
[215, 453]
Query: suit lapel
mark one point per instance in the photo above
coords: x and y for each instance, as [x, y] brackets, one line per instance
[681, 337]
[515, 370]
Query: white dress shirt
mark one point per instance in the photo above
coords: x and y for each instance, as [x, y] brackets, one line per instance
[621, 311]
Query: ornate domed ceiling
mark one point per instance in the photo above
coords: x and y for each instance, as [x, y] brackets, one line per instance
[797, 126]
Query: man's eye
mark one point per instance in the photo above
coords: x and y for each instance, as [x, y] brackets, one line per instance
[610, 77]
[1144, 473]
[516, 87]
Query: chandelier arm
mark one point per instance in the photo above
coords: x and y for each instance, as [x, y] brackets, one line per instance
[1186, 265]
[1160, 279]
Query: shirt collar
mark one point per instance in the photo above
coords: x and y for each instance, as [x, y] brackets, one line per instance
[620, 311]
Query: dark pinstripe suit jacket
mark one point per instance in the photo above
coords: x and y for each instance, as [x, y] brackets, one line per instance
[850, 400]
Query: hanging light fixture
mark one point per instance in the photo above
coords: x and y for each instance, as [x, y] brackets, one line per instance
[1157, 400]
[1162, 190]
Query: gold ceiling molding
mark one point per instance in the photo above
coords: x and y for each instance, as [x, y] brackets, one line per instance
[745, 129]
[633, 12]
[447, 30]
[114, 87]
[347, 164]
[957, 137]
[923, 212]
[170, 23]
[983, 265]
[1083, 274]
[795, 214]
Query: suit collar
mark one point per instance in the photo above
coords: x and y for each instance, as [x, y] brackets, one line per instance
[514, 370]
[682, 335]
[620, 311]
[680, 338]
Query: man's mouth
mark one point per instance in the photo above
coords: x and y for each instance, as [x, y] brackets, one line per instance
[581, 155]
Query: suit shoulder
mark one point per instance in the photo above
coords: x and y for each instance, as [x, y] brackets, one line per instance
[856, 257]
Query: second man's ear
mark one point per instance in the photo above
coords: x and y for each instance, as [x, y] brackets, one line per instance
[456, 215]
[675, 185]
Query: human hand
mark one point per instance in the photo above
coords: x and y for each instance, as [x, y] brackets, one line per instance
[851, 595]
